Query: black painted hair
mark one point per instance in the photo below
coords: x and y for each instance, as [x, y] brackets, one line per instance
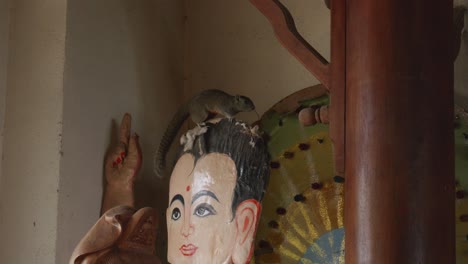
[247, 149]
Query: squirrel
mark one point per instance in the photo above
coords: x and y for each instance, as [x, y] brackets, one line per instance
[200, 108]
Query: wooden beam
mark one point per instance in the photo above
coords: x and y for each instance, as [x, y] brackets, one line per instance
[399, 198]
[338, 83]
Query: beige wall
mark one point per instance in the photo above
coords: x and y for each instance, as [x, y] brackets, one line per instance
[122, 56]
[231, 46]
[32, 134]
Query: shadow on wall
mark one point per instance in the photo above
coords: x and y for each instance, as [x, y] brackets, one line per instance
[157, 44]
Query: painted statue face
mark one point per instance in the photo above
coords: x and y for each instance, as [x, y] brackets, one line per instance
[200, 224]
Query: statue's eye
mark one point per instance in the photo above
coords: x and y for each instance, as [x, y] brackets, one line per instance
[204, 210]
[176, 214]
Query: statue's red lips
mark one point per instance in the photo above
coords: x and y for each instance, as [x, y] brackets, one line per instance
[188, 250]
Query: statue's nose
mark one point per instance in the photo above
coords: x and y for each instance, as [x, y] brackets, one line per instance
[187, 228]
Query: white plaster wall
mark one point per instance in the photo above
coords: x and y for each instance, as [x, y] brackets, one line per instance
[4, 37]
[33, 117]
[231, 46]
[122, 56]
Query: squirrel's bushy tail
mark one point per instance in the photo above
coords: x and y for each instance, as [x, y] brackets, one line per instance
[159, 162]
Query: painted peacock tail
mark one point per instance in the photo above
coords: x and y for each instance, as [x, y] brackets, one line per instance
[302, 220]
[461, 188]
[159, 162]
[302, 216]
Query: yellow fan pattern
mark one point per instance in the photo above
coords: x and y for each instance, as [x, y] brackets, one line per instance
[302, 218]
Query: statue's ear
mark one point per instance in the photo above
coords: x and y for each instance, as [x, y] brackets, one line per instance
[247, 215]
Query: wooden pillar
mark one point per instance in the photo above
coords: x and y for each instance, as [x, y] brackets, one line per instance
[399, 132]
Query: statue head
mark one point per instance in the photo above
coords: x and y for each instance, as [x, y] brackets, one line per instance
[215, 192]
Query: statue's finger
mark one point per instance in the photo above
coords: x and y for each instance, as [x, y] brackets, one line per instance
[134, 148]
[134, 155]
[125, 128]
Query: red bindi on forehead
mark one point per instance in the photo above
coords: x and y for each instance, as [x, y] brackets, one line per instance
[187, 188]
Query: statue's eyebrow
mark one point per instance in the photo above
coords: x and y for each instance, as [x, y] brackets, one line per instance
[177, 197]
[203, 193]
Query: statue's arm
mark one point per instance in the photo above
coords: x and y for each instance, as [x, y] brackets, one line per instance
[122, 234]
[121, 168]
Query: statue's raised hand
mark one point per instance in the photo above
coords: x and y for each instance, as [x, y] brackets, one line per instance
[121, 167]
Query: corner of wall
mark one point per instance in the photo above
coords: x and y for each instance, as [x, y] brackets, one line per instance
[32, 129]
